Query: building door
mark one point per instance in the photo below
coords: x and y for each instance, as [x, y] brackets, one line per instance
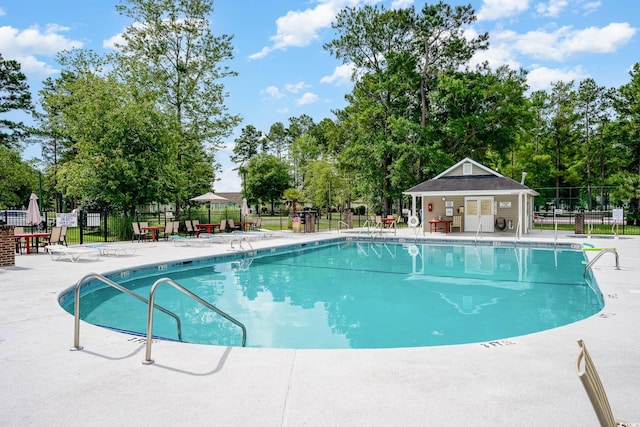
[478, 210]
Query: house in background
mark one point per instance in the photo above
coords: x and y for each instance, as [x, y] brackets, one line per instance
[234, 201]
[480, 197]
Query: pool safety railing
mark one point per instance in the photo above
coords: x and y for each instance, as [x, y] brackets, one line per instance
[340, 224]
[240, 240]
[599, 255]
[76, 306]
[479, 232]
[148, 360]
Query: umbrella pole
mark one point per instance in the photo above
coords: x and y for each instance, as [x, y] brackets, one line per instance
[209, 212]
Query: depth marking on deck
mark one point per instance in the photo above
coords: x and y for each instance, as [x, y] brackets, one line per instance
[606, 315]
[498, 343]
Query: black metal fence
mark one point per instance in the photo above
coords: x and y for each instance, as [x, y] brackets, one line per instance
[94, 227]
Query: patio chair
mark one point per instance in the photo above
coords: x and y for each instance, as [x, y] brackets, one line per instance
[63, 235]
[593, 386]
[168, 230]
[223, 225]
[176, 227]
[137, 234]
[54, 237]
[19, 242]
[232, 225]
[189, 226]
[457, 223]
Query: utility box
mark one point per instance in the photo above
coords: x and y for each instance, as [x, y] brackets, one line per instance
[348, 219]
[579, 223]
[309, 221]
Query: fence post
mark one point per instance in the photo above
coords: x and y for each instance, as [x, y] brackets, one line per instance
[81, 224]
[104, 227]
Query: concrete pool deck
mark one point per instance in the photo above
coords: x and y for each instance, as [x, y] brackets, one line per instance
[524, 381]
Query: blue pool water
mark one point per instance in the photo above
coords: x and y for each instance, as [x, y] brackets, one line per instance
[354, 294]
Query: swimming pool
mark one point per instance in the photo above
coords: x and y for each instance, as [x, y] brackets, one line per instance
[356, 294]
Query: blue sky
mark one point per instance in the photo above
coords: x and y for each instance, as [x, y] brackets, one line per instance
[284, 72]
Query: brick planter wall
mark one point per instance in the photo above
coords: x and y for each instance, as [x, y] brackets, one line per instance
[7, 246]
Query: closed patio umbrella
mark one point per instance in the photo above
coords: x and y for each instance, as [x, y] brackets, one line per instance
[245, 209]
[33, 211]
[209, 197]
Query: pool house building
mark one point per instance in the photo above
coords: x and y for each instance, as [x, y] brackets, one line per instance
[470, 197]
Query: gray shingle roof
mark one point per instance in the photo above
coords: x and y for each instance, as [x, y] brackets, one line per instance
[468, 183]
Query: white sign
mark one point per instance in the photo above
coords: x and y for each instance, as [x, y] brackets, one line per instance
[67, 219]
[557, 211]
[618, 215]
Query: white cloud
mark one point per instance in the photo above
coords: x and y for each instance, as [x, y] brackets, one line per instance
[496, 9]
[294, 87]
[341, 75]
[261, 54]
[300, 28]
[401, 4]
[2, 12]
[591, 7]
[565, 41]
[229, 181]
[111, 42]
[274, 92]
[551, 8]
[541, 78]
[307, 98]
[25, 46]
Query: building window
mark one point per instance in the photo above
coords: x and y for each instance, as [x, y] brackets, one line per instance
[467, 169]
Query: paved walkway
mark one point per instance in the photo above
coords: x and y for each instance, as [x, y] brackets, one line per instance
[530, 382]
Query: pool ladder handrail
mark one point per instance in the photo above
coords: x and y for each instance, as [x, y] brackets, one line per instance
[479, 232]
[148, 360]
[597, 257]
[340, 224]
[76, 306]
[240, 240]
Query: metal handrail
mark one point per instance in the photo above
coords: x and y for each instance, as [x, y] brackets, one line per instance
[366, 224]
[340, 223]
[479, 232]
[240, 242]
[517, 232]
[148, 360]
[76, 306]
[597, 257]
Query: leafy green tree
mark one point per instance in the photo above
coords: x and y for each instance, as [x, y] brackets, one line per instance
[484, 112]
[18, 179]
[293, 197]
[276, 142]
[266, 179]
[14, 96]
[628, 107]
[594, 106]
[442, 45]
[122, 143]
[169, 50]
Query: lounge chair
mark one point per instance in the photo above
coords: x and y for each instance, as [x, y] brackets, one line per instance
[593, 386]
[232, 225]
[113, 250]
[73, 253]
[63, 235]
[223, 225]
[176, 227]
